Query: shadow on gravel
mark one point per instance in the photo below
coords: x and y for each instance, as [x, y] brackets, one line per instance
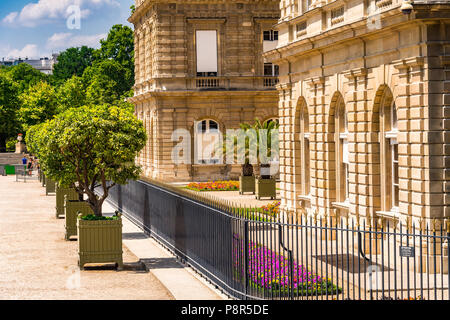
[134, 236]
[162, 263]
[137, 267]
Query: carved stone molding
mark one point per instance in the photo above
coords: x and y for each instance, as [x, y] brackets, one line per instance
[354, 73]
[405, 64]
[314, 81]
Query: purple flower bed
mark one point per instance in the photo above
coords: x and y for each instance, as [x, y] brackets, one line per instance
[270, 271]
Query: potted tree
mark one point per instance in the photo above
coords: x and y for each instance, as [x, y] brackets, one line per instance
[265, 183]
[247, 177]
[91, 149]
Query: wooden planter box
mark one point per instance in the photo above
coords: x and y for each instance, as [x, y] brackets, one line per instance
[60, 199]
[50, 186]
[73, 208]
[246, 184]
[265, 188]
[100, 242]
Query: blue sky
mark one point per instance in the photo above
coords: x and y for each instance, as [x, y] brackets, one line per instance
[36, 28]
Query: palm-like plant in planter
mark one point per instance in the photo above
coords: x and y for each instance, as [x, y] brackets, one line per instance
[255, 136]
[87, 149]
[267, 138]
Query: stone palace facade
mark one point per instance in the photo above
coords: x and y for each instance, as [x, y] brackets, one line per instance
[364, 108]
[200, 67]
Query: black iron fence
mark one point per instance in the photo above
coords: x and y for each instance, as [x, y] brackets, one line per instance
[251, 254]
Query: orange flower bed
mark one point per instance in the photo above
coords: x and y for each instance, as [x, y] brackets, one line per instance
[214, 186]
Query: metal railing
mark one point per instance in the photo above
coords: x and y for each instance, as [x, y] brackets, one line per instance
[251, 254]
[24, 175]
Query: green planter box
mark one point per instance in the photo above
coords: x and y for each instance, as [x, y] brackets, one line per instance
[73, 208]
[100, 242]
[60, 199]
[50, 186]
[246, 184]
[10, 169]
[265, 188]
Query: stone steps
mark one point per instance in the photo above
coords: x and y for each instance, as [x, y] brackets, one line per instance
[11, 158]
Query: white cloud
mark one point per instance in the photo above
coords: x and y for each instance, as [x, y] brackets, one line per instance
[29, 51]
[10, 17]
[46, 11]
[61, 41]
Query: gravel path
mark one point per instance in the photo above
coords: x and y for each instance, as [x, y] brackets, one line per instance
[37, 263]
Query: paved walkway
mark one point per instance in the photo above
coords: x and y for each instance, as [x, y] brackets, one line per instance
[37, 263]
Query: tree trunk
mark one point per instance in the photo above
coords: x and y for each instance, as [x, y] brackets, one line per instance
[98, 209]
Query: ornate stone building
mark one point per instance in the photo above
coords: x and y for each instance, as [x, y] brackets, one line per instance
[364, 108]
[199, 67]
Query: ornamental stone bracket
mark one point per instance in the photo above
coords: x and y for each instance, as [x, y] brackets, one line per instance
[355, 76]
[355, 73]
[315, 82]
[405, 66]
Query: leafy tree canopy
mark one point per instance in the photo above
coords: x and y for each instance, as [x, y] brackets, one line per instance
[73, 62]
[71, 94]
[106, 82]
[86, 147]
[119, 46]
[25, 76]
[38, 104]
[9, 103]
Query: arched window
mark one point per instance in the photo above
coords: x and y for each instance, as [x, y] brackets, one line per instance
[342, 154]
[390, 156]
[305, 150]
[207, 141]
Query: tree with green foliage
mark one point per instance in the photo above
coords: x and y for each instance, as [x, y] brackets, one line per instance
[73, 62]
[106, 82]
[25, 76]
[85, 148]
[38, 104]
[71, 94]
[9, 104]
[119, 46]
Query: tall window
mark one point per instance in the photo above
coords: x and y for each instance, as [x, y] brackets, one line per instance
[206, 45]
[389, 118]
[207, 139]
[342, 154]
[270, 35]
[305, 150]
[271, 70]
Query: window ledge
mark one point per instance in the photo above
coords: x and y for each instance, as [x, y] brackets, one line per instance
[341, 205]
[389, 214]
[305, 198]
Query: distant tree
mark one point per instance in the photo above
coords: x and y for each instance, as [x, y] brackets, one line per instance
[38, 104]
[119, 46]
[71, 94]
[25, 76]
[106, 82]
[9, 104]
[73, 62]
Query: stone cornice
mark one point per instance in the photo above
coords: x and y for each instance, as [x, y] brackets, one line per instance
[206, 20]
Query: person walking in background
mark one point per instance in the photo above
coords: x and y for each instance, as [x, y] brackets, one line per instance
[30, 167]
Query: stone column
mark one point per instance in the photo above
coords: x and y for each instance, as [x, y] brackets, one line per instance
[288, 203]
